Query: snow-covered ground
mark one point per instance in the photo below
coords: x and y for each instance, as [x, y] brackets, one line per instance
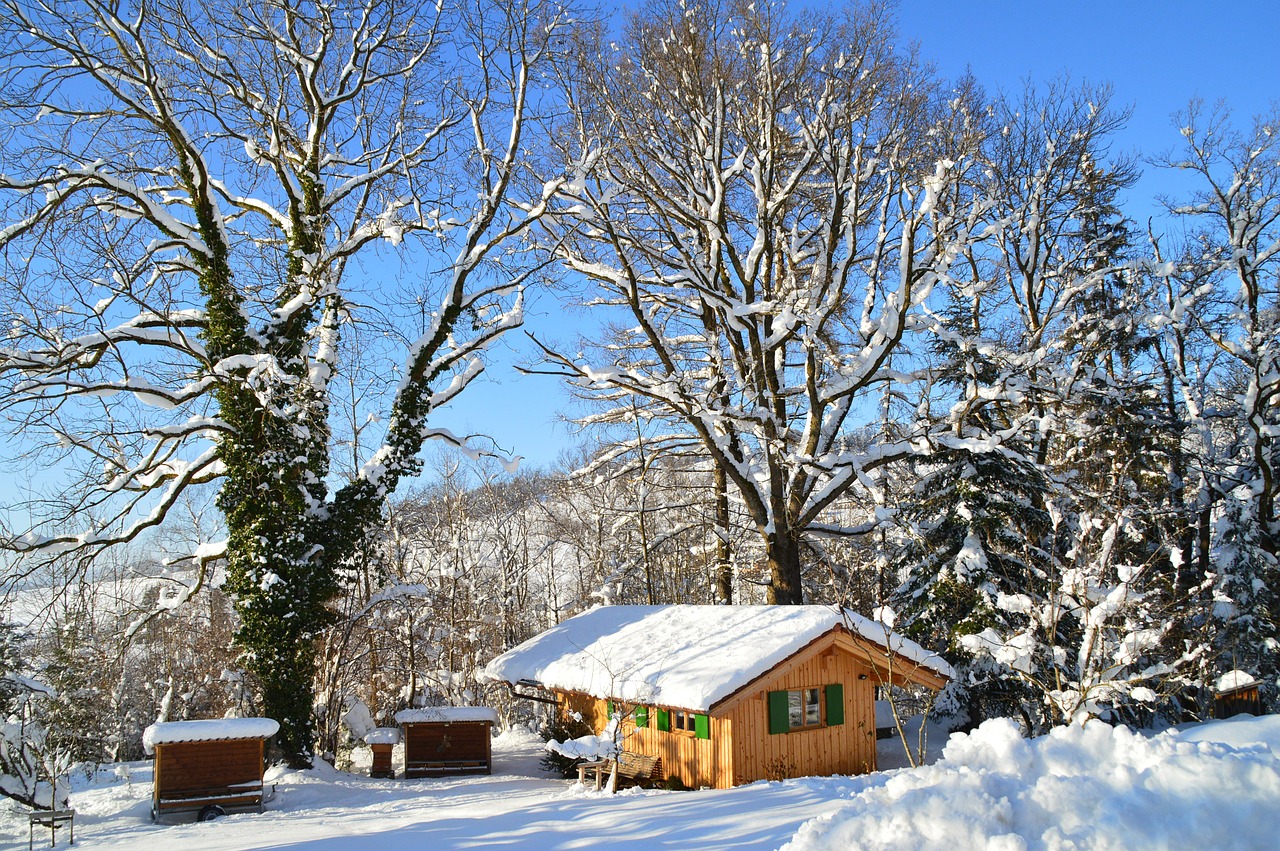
[1211, 786]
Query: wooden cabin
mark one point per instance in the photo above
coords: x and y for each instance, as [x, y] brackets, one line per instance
[208, 767]
[442, 741]
[725, 695]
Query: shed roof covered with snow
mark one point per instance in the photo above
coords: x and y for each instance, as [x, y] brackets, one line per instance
[211, 730]
[685, 656]
[447, 715]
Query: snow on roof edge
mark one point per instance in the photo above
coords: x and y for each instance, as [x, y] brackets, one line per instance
[209, 730]
[446, 714]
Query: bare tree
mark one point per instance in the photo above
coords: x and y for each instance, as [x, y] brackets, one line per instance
[768, 203]
[193, 199]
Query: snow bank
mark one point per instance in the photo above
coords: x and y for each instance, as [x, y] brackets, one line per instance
[1090, 786]
[167, 732]
[446, 714]
[682, 656]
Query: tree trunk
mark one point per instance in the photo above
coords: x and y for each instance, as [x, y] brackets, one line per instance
[783, 556]
[724, 569]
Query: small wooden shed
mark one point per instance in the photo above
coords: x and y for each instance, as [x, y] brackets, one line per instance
[208, 767]
[725, 695]
[442, 741]
[1236, 693]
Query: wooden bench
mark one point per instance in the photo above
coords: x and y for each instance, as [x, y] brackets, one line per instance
[633, 769]
[52, 819]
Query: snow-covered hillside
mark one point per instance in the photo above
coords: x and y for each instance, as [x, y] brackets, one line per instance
[1212, 786]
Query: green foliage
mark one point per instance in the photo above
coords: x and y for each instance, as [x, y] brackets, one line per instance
[562, 731]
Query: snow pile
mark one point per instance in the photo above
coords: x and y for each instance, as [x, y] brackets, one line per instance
[603, 746]
[1089, 786]
[585, 747]
[446, 715]
[167, 732]
[683, 656]
[383, 736]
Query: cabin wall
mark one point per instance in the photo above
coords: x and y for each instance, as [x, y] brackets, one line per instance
[848, 748]
[696, 762]
[594, 712]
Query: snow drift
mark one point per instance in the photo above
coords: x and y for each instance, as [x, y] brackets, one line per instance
[1083, 786]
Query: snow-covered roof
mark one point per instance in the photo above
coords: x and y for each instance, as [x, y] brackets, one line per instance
[683, 656]
[1232, 680]
[168, 732]
[446, 714]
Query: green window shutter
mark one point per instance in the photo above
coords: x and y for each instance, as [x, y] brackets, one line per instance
[608, 707]
[779, 721]
[664, 720]
[701, 727]
[642, 716]
[835, 704]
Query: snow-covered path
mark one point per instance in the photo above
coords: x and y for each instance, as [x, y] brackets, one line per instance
[1215, 785]
[519, 806]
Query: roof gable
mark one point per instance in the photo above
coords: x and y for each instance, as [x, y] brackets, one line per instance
[682, 656]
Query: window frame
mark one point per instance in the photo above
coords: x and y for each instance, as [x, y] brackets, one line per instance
[779, 706]
[695, 724]
[682, 721]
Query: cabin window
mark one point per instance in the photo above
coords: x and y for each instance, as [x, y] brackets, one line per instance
[698, 723]
[806, 708]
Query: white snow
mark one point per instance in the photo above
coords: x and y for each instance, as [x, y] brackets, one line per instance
[1234, 680]
[383, 736]
[602, 746]
[446, 714]
[682, 656]
[1214, 785]
[166, 732]
[1083, 786]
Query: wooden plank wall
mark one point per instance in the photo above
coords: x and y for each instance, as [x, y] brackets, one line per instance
[461, 740]
[697, 762]
[849, 748]
[186, 766]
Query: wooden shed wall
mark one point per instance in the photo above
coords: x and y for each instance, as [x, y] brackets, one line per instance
[441, 748]
[183, 767]
[848, 748]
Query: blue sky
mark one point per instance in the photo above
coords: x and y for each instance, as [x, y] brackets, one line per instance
[1157, 55]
